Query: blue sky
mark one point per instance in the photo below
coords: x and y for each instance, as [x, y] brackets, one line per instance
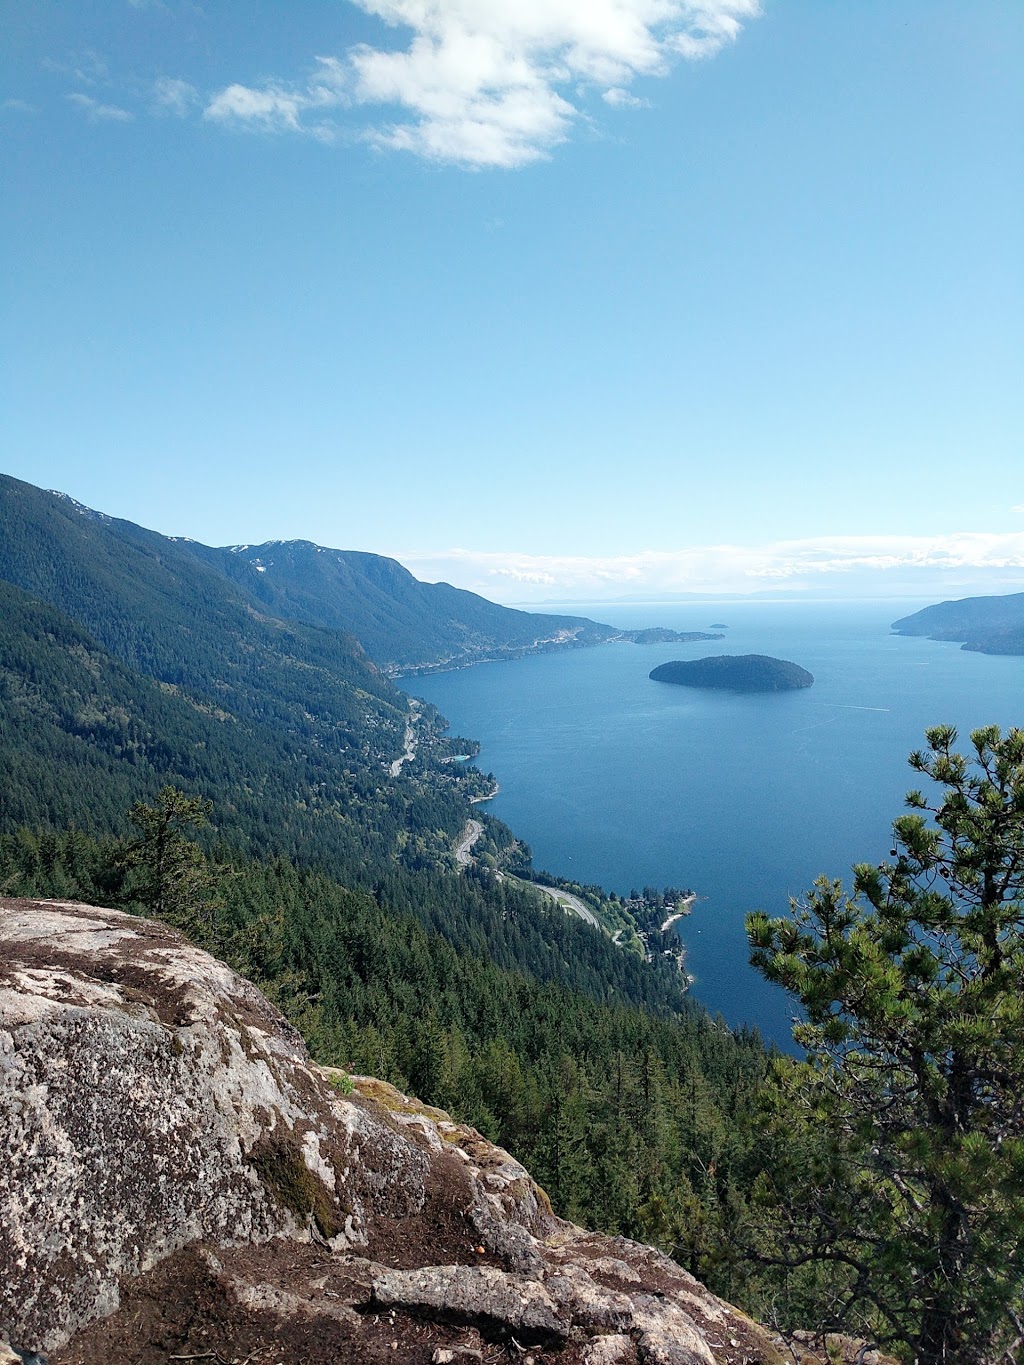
[550, 298]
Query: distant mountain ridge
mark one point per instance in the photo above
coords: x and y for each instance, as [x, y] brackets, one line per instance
[986, 625]
[369, 602]
[402, 623]
[405, 625]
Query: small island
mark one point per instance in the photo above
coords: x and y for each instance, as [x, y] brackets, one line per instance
[735, 673]
[661, 635]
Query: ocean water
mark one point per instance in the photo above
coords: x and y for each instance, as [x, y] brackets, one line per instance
[614, 779]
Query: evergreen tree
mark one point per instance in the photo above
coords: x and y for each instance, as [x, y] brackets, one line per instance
[172, 877]
[908, 1176]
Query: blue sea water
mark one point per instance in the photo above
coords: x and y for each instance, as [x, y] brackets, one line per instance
[614, 779]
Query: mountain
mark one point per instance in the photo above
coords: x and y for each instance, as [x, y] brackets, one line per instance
[128, 663]
[162, 611]
[131, 663]
[110, 574]
[84, 734]
[404, 625]
[987, 625]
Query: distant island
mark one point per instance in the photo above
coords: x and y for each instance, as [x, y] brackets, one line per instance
[735, 673]
[986, 625]
[718, 625]
[659, 635]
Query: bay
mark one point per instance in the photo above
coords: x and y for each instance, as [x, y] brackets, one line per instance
[617, 780]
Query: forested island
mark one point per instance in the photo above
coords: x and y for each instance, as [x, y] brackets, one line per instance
[735, 673]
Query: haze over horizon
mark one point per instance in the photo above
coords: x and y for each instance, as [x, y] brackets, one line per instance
[553, 302]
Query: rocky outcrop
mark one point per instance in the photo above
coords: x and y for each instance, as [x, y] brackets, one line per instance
[179, 1182]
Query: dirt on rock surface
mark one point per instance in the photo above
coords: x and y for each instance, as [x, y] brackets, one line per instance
[286, 1302]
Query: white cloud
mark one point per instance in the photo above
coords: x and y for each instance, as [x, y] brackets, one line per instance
[96, 112]
[847, 565]
[175, 97]
[271, 108]
[622, 99]
[16, 106]
[491, 82]
[527, 575]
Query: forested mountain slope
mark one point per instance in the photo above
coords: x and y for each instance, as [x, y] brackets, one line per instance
[126, 663]
[401, 622]
[84, 734]
[161, 610]
[111, 575]
[987, 625]
[157, 668]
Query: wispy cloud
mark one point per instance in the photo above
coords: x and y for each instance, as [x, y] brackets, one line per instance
[16, 106]
[97, 112]
[489, 82]
[843, 563]
[270, 109]
[622, 99]
[86, 67]
[176, 97]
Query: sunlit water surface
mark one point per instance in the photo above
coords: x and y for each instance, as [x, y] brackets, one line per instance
[618, 780]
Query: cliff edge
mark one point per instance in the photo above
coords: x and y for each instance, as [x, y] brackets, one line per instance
[178, 1181]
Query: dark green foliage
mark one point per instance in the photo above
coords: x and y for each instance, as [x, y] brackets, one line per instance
[735, 673]
[901, 1167]
[83, 734]
[988, 625]
[171, 877]
[165, 614]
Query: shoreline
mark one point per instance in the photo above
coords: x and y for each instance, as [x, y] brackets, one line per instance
[400, 673]
[569, 902]
[687, 904]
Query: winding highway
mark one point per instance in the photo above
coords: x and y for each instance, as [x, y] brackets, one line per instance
[472, 832]
[409, 752]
